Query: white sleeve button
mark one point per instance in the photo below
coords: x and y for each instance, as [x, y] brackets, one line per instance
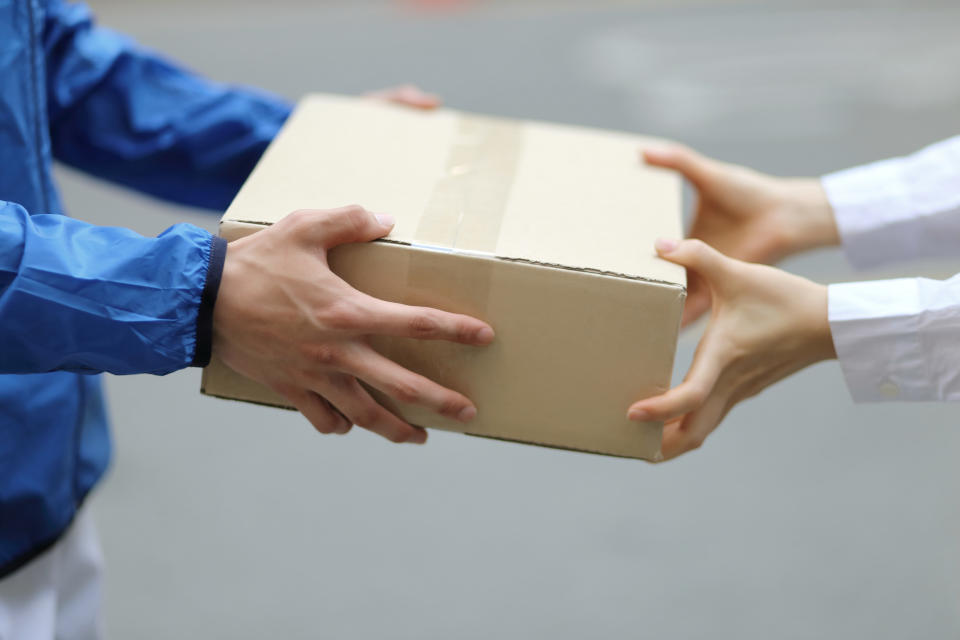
[889, 390]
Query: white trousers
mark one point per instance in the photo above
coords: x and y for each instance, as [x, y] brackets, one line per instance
[57, 595]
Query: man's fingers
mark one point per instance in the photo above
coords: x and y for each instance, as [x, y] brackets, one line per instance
[393, 319]
[353, 401]
[694, 167]
[315, 409]
[332, 227]
[408, 387]
[407, 95]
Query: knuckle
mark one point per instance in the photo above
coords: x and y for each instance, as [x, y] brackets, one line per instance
[356, 216]
[367, 416]
[341, 315]
[299, 220]
[464, 332]
[325, 355]
[452, 406]
[405, 391]
[697, 247]
[698, 393]
[424, 324]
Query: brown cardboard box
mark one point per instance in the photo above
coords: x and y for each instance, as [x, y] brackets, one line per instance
[544, 231]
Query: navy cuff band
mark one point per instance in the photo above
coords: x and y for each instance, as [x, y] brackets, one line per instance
[218, 255]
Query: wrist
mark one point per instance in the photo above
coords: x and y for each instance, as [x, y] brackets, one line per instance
[225, 309]
[810, 222]
[820, 338]
[208, 298]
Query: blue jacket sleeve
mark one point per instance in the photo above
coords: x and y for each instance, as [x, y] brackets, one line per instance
[83, 298]
[125, 114]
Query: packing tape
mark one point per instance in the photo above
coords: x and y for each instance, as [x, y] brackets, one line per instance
[468, 202]
[466, 209]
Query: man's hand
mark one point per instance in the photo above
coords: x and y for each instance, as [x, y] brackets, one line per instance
[284, 319]
[747, 215]
[407, 95]
[765, 325]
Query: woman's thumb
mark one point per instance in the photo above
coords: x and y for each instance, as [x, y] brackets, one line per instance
[695, 255]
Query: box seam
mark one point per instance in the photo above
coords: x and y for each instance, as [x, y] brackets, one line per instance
[493, 256]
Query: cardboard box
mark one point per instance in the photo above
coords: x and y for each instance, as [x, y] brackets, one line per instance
[544, 231]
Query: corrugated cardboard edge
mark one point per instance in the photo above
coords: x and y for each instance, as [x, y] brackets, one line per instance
[256, 226]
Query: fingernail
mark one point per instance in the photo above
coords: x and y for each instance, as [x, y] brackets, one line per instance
[655, 150]
[385, 219]
[419, 437]
[485, 335]
[467, 414]
[665, 245]
[638, 414]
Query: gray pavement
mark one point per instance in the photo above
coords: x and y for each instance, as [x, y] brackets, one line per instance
[803, 516]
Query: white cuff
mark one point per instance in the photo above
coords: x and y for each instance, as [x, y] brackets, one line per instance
[900, 208]
[898, 339]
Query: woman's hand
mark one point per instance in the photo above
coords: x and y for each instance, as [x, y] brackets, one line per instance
[747, 215]
[407, 95]
[765, 324]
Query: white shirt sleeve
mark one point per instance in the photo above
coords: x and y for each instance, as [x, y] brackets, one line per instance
[900, 208]
[899, 339]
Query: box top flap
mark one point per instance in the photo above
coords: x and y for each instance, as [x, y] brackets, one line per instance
[553, 194]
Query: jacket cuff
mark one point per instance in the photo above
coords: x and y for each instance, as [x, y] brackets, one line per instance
[204, 340]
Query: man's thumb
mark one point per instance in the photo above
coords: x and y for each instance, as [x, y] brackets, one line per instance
[349, 224]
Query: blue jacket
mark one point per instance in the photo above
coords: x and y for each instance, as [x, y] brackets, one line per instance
[77, 299]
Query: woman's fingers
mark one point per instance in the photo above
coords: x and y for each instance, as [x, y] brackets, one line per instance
[674, 439]
[698, 299]
[688, 433]
[691, 165]
[408, 95]
[408, 387]
[716, 271]
[709, 361]
[694, 254]
[353, 401]
[688, 396]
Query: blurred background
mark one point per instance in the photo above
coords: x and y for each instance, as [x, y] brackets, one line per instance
[803, 516]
